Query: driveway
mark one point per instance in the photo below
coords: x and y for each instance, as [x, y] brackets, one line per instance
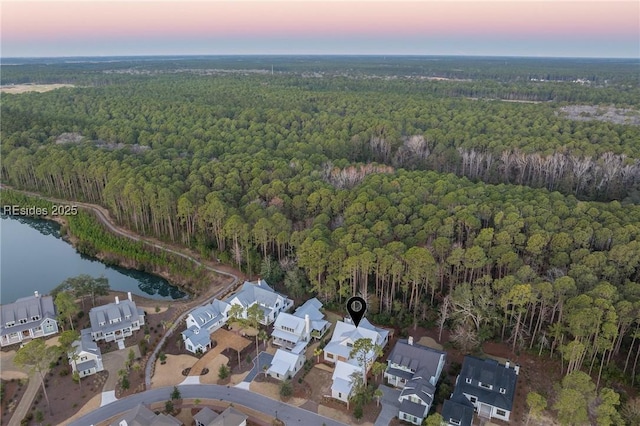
[390, 405]
[258, 364]
[289, 414]
[113, 362]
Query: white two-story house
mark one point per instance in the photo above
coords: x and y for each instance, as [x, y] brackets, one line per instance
[27, 318]
[203, 321]
[346, 333]
[86, 357]
[338, 351]
[115, 321]
[270, 301]
[416, 369]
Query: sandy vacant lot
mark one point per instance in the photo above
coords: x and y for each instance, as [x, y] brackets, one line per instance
[24, 88]
[211, 378]
[170, 374]
[272, 390]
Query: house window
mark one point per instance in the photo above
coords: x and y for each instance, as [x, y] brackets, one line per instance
[84, 358]
[339, 394]
[404, 416]
[473, 399]
[329, 356]
[503, 391]
[501, 413]
[468, 380]
[349, 344]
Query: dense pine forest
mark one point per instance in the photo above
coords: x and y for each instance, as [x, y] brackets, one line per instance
[471, 194]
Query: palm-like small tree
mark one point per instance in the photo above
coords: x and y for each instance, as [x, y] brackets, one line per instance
[236, 313]
[254, 315]
[262, 335]
[378, 394]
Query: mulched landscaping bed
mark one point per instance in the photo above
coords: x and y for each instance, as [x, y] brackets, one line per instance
[12, 391]
[66, 396]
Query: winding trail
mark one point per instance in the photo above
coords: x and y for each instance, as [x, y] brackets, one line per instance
[104, 217]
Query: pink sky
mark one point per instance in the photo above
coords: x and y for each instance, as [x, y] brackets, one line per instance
[28, 24]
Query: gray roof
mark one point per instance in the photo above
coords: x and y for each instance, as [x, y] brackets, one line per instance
[416, 357]
[229, 417]
[458, 408]
[196, 336]
[312, 308]
[26, 308]
[107, 313]
[142, 416]
[421, 388]
[490, 372]
[209, 314]
[86, 343]
[205, 416]
[259, 292]
[86, 365]
[412, 408]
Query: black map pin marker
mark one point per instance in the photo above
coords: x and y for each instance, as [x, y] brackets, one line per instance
[356, 306]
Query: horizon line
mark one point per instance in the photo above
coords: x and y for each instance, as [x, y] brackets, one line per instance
[201, 55]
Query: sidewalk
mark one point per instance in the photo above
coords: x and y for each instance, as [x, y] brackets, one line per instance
[25, 403]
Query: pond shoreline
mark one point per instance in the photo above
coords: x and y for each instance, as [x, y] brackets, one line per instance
[149, 285]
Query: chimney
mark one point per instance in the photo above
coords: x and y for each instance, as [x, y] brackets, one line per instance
[517, 368]
[35, 293]
[307, 324]
[117, 300]
[410, 340]
[506, 364]
[129, 296]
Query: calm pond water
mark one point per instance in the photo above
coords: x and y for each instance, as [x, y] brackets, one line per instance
[33, 256]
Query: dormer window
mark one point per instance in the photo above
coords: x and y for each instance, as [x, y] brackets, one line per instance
[35, 318]
[23, 321]
[102, 323]
[454, 421]
[486, 385]
[468, 380]
[503, 391]
[10, 324]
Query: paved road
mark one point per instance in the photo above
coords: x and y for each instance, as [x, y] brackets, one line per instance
[390, 405]
[289, 414]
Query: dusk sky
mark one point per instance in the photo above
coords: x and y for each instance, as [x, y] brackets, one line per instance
[573, 28]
